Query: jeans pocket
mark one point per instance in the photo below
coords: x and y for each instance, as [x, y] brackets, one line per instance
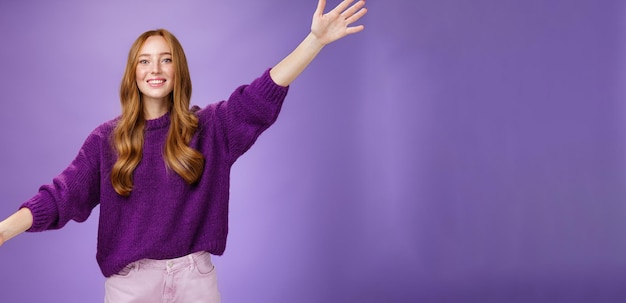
[203, 264]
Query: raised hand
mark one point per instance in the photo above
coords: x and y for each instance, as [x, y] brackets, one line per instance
[325, 29]
[335, 24]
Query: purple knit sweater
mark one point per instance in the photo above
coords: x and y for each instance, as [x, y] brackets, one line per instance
[163, 217]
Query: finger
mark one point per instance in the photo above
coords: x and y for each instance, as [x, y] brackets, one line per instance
[321, 4]
[353, 9]
[355, 29]
[357, 16]
[342, 6]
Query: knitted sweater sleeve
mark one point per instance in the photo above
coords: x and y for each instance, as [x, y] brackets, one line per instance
[249, 111]
[72, 194]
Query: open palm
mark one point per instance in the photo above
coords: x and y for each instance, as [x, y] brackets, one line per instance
[335, 24]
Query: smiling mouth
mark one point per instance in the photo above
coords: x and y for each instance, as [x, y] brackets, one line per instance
[156, 82]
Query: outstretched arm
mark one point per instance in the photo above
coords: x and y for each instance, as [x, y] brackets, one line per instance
[325, 29]
[15, 224]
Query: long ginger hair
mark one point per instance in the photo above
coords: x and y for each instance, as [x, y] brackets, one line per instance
[128, 136]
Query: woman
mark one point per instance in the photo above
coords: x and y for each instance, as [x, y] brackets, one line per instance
[160, 171]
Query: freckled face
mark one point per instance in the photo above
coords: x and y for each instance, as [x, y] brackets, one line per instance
[155, 70]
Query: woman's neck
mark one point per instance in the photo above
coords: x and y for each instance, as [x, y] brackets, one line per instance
[153, 109]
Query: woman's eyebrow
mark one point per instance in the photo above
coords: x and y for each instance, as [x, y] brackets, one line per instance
[161, 54]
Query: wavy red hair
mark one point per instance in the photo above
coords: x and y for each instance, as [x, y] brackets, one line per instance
[128, 135]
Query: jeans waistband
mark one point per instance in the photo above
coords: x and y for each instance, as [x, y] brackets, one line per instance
[175, 264]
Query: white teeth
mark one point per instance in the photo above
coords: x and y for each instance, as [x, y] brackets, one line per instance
[156, 81]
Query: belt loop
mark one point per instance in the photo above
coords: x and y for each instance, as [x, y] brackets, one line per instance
[192, 260]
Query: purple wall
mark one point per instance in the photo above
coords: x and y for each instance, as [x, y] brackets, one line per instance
[455, 151]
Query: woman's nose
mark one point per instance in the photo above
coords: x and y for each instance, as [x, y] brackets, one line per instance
[156, 68]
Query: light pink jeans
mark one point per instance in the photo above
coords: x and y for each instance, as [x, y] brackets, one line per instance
[187, 279]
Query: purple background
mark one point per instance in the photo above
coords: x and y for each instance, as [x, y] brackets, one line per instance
[455, 151]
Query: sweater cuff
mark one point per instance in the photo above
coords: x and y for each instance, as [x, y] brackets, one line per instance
[41, 213]
[268, 89]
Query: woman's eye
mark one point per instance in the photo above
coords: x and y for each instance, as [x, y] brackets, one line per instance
[143, 61]
[167, 60]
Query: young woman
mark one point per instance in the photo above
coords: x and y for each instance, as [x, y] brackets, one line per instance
[160, 171]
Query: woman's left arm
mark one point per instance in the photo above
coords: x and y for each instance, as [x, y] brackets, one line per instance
[325, 29]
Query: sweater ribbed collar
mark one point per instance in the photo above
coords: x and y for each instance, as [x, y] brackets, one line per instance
[160, 122]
